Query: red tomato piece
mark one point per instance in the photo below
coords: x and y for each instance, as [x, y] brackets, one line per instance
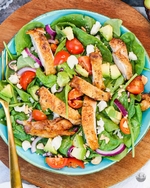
[74, 94]
[61, 57]
[136, 86]
[38, 115]
[75, 103]
[56, 163]
[84, 61]
[74, 46]
[26, 78]
[73, 162]
[124, 126]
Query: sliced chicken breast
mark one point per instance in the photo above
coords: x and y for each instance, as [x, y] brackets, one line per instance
[96, 62]
[50, 101]
[118, 44]
[89, 122]
[48, 128]
[43, 49]
[88, 89]
[120, 56]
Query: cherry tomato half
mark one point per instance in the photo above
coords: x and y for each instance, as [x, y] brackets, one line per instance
[74, 98]
[61, 57]
[26, 78]
[136, 86]
[84, 61]
[124, 126]
[74, 94]
[74, 46]
[38, 115]
[73, 162]
[75, 103]
[56, 163]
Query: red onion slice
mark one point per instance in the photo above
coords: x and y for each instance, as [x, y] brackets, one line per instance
[50, 31]
[116, 151]
[32, 56]
[12, 64]
[24, 69]
[69, 151]
[120, 107]
[33, 146]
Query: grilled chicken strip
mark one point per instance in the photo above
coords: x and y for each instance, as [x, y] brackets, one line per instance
[88, 89]
[120, 56]
[145, 103]
[48, 128]
[49, 100]
[43, 49]
[89, 122]
[96, 62]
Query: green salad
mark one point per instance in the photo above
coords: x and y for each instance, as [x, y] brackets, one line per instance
[75, 90]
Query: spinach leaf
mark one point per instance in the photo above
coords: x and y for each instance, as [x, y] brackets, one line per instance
[25, 62]
[23, 40]
[87, 39]
[134, 46]
[78, 20]
[47, 80]
[116, 24]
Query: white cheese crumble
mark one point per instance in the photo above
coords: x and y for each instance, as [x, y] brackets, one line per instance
[118, 133]
[95, 28]
[40, 146]
[26, 145]
[103, 137]
[89, 49]
[53, 89]
[14, 78]
[56, 142]
[24, 54]
[96, 160]
[19, 86]
[36, 65]
[102, 105]
[72, 61]
[100, 126]
[132, 56]
[20, 108]
[55, 115]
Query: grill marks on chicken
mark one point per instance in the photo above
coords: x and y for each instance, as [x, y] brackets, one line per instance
[43, 49]
[89, 90]
[120, 56]
[89, 122]
[48, 128]
[49, 100]
[96, 62]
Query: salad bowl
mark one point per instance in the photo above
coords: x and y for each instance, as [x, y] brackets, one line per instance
[37, 160]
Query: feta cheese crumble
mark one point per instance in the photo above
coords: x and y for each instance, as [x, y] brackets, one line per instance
[72, 61]
[132, 56]
[95, 28]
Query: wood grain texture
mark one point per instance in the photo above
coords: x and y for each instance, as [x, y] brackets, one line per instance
[135, 22]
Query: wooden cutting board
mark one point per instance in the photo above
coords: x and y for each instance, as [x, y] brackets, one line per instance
[135, 22]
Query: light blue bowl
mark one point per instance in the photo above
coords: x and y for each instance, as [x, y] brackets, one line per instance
[38, 160]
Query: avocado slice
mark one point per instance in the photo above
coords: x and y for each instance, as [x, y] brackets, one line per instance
[113, 114]
[32, 90]
[106, 70]
[81, 71]
[7, 91]
[49, 148]
[107, 32]
[79, 153]
[114, 71]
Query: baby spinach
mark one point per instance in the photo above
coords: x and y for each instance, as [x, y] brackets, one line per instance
[87, 39]
[47, 80]
[23, 40]
[134, 46]
[78, 20]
